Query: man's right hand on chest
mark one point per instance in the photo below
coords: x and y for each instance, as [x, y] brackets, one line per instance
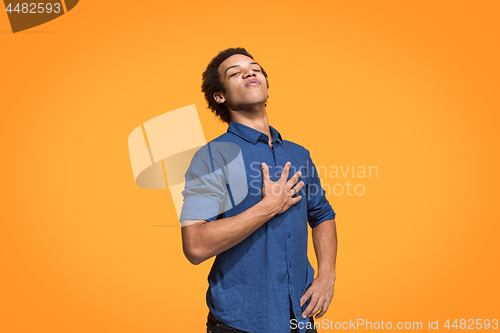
[280, 194]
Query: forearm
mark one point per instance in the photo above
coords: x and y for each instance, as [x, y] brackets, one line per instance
[325, 246]
[212, 238]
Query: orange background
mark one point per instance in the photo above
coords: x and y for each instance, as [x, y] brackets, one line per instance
[411, 88]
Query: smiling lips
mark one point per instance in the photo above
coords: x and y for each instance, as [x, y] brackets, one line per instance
[252, 83]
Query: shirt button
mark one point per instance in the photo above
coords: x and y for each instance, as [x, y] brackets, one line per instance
[290, 264]
[289, 235]
[291, 292]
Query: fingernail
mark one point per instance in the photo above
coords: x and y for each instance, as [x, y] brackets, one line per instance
[304, 316]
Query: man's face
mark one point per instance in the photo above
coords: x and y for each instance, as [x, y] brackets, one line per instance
[244, 82]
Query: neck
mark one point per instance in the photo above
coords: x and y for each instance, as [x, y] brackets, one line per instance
[255, 118]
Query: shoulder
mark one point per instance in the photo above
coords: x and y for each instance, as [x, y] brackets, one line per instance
[207, 149]
[219, 151]
[296, 148]
[200, 161]
[224, 137]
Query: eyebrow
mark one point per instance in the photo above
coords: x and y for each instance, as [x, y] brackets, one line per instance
[251, 63]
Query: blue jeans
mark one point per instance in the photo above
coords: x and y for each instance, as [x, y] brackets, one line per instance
[215, 326]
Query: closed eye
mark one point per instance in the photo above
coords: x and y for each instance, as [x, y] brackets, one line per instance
[257, 70]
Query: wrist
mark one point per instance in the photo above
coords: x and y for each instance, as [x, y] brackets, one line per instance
[268, 207]
[327, 275]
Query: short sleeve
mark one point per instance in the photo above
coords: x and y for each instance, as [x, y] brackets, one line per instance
[318, 207]
[205, 189]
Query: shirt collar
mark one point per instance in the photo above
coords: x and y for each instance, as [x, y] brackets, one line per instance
[252, 135]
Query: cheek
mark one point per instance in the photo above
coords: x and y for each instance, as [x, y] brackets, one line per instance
[231, 93]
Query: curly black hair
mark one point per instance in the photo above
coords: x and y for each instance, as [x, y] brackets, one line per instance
[211, 81]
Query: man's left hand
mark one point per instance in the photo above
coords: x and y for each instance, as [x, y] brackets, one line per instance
[321, 293]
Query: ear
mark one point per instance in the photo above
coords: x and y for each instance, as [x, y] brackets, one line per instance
[219, 98]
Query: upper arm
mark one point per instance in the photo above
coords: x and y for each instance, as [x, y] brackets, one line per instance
[205, 190]
[318, 206]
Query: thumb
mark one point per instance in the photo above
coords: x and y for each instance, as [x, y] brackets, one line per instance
[265, 171]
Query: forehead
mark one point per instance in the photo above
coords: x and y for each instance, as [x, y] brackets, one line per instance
[237, 59]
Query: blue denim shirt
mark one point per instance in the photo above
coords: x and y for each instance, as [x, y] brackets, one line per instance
[254, 285]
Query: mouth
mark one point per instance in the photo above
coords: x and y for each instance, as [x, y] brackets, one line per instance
[252, 83]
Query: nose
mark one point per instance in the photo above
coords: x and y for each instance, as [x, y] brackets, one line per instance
[248, 72]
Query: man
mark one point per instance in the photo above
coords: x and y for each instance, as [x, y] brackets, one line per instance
[261, 279]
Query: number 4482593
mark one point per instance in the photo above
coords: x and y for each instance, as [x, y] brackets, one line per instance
[33, 8]
[472, 324]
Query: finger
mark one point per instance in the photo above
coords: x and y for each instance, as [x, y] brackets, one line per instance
[265, 171]
[298, 186]
[318, 307]
[319, 315]
[323, 310]
[296, 199]
[310, 307]
[286, 170]
[306, 296]
[294, 178]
